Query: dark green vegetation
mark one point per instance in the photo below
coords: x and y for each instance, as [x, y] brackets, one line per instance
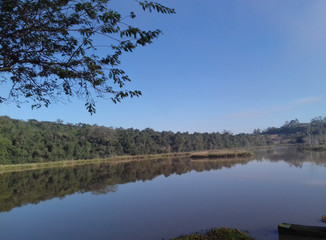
[20, 188]
[33, 141]
[217, 234]
[55, 48]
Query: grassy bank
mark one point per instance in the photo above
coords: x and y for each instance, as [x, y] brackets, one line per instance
[217, 234]
[222, 154]
[119, 159]
[70, 163]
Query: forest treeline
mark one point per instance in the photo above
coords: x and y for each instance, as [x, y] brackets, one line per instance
[35, 141]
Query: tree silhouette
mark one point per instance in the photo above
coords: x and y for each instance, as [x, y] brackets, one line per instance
[48, 49]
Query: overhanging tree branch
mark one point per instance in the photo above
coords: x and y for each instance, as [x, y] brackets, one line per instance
[45, 49]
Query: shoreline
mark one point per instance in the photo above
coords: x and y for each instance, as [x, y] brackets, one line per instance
[216, 233]
[216, 154]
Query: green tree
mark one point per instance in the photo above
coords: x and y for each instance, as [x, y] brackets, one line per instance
[48, 48]
[5, 146]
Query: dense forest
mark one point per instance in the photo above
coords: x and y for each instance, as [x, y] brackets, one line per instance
[35, 141]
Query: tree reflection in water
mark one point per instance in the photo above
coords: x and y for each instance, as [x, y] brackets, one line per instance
[20, 188]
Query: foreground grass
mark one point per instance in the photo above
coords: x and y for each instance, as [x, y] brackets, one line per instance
[121, 159]
[217, 234]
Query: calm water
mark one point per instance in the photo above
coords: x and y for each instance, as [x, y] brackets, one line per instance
[165, 198]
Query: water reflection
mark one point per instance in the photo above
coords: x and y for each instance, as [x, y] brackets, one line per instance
[20, 188]
[278, 185]
[291, 155]
[288, 237]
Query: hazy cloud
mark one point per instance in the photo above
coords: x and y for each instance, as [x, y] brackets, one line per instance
[307, 101]
[249, 114]
[264, 112]
[309, 27]
[303, 23]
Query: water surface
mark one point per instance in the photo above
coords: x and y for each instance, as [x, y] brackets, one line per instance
[165, 198]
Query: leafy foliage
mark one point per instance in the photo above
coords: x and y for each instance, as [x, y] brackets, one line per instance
[49, 48]
[34, 141]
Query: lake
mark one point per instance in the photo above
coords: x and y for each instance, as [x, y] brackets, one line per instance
[164, 198]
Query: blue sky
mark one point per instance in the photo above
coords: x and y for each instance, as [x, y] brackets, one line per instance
[220, 64]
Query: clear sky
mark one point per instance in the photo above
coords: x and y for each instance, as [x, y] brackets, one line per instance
[220, 64]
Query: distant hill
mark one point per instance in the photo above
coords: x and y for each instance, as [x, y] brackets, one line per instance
[312, 134]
